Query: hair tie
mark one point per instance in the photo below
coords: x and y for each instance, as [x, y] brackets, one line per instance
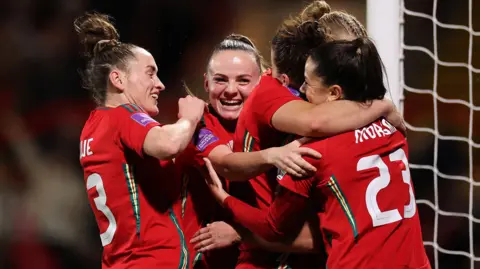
[113, 41]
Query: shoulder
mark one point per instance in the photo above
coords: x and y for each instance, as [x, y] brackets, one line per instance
[210, 118]
[131, 112]
[126, 109]
[267, 85]
[319, 145]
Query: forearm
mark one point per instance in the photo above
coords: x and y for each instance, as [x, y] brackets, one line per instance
[283, 217]
[341, 116]
[241, 166]
[178, 135]
[253, 219]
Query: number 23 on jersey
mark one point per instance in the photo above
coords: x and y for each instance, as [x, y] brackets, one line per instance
[381, 182]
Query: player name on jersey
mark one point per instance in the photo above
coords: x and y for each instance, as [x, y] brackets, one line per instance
[373, 131]
[85, 149]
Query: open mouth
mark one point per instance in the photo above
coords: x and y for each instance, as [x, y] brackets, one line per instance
[231, 102]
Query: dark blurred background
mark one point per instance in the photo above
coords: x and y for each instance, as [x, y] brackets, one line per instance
[45, 219]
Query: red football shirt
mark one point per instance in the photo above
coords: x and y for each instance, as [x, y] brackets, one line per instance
[255, 132]
[363, 196]
[198, 205]
[135, 197]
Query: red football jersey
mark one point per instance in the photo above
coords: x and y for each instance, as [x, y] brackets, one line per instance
[198, 205]
[365, 199]
[135, 197]
[255, 132]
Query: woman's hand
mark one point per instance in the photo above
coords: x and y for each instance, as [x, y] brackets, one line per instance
[394, 116]
[214, 183]
[289, 158]
[216, 235]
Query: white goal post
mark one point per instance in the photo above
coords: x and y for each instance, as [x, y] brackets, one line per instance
[383, 24]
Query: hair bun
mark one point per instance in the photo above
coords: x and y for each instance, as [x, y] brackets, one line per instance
[93, 28]
[311, 31]
[314, 11]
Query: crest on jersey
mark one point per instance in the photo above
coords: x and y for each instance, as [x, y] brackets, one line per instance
[142, 118]
[205, 138]
[280, 174]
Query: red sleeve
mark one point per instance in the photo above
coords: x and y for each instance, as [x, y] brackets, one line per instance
[133, 125]
[305, 186]
[286, 214]
[206, 140]
[270, 96]
[300, 186]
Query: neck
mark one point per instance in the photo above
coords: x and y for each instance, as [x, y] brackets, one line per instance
[114, 100]
[229, 125]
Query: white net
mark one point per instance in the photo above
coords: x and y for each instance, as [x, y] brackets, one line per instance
[440, 78]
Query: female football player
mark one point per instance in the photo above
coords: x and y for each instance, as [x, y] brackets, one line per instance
[126, 156]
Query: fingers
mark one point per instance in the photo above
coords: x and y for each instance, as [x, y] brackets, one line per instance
[214, 179]
[211, 171]
[200, 235]
[304, 140]
[204, 245]
[310, 152]
[293, 169]
[304, 165]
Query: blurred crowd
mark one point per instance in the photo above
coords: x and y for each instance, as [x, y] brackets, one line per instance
[45, 219]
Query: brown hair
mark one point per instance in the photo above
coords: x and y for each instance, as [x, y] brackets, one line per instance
[234, 42]
[354, 65]
[239, 42]
[102, 50]
[313, 26]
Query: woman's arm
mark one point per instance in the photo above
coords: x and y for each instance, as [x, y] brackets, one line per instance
[219, 234]
[287, 213]
[167, 141]
[332, 118]
[240, 166]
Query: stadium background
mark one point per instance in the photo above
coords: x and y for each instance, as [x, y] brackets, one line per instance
[45, 219]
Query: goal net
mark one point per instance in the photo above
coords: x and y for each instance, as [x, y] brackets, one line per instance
[431, 50]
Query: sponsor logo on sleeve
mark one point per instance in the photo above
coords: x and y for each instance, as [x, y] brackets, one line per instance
[142, 118]
[294, 91]
[205, 138]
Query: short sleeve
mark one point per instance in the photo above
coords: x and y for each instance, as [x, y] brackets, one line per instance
[271, 95]
[300, 186]
[204, 141]
[304, 186]
[133, 126]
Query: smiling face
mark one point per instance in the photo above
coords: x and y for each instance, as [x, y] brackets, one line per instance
[143, 85]
[231, 77]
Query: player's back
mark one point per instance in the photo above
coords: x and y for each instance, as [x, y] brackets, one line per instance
[135, 197]
[367, 206]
